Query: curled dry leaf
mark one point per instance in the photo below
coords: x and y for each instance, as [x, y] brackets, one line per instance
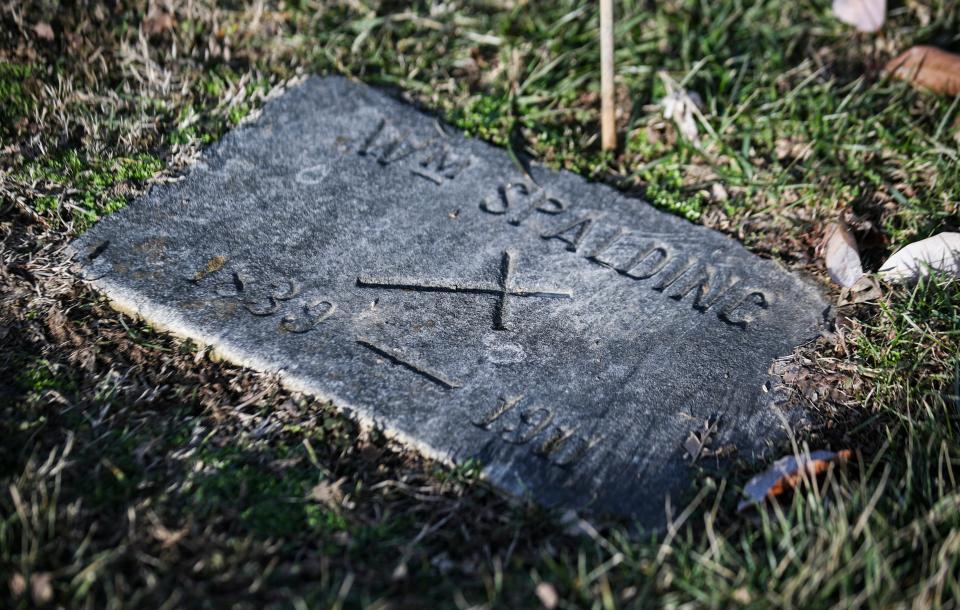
[786, 473]
[940, 253]
[927, 68]
[43, 30]
[840, 254]
[865, 289]
[157, 23]
[865, 15]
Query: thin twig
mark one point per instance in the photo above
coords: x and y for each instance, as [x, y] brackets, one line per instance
[608, 128]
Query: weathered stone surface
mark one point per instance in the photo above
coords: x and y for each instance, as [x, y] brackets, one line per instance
[566, 336]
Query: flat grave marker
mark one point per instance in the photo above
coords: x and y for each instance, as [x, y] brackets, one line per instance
[566, 336]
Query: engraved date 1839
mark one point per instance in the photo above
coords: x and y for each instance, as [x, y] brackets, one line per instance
[263, 295]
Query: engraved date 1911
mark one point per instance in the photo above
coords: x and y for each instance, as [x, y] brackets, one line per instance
[520, 422]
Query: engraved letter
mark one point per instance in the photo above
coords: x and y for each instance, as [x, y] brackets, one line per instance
[557, 437]
[439, 164]
[505, 198]
[314, 174]
[260, 299]
[388, 150]
[580, 228]
[755, 297]
[676, 271]
[570, 449]
[552, 205]
[505, 405]
[653, 261]
[708, 284]
[309, 316]
[532, 422]
[539, 202]
[606, 244]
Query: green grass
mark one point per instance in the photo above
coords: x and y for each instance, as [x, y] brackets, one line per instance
[15, 101]
[39, 376]
[87, 186]
[136, 471]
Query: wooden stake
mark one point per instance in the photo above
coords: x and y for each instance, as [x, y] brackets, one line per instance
[608, 127]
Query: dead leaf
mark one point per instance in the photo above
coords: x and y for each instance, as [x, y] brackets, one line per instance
[157, 23]
[44, 31]
[786, 473]
[840, 254]
[742, 595]
[40, 588]
[681, 106]
[17, 585]
[863, 290]
[328, 493]
[865, 15]
[698, 441]
[693, 446]
[213, 265]
[939, 253]
[718, 193]
[165, 536]
[400, 572]
[547, 595]
[927, 68]
[677, 107]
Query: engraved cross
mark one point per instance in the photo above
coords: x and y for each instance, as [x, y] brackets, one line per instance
[503, 289]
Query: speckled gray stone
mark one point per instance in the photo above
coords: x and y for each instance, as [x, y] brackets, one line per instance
[567, 337]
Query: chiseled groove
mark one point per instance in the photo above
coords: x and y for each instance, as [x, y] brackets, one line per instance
[398, 358]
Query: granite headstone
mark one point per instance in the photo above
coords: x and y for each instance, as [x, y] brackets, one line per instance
[567, 337]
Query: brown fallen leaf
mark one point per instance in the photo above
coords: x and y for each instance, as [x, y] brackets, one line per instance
[547, 595]
[786, 473]
[840, 254]
[43, 30]
[927, 68]
[865, 289]
[865, 15]
[157, 23]
[938, 253]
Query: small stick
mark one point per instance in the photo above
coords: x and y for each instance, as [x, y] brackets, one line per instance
[608, 128]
